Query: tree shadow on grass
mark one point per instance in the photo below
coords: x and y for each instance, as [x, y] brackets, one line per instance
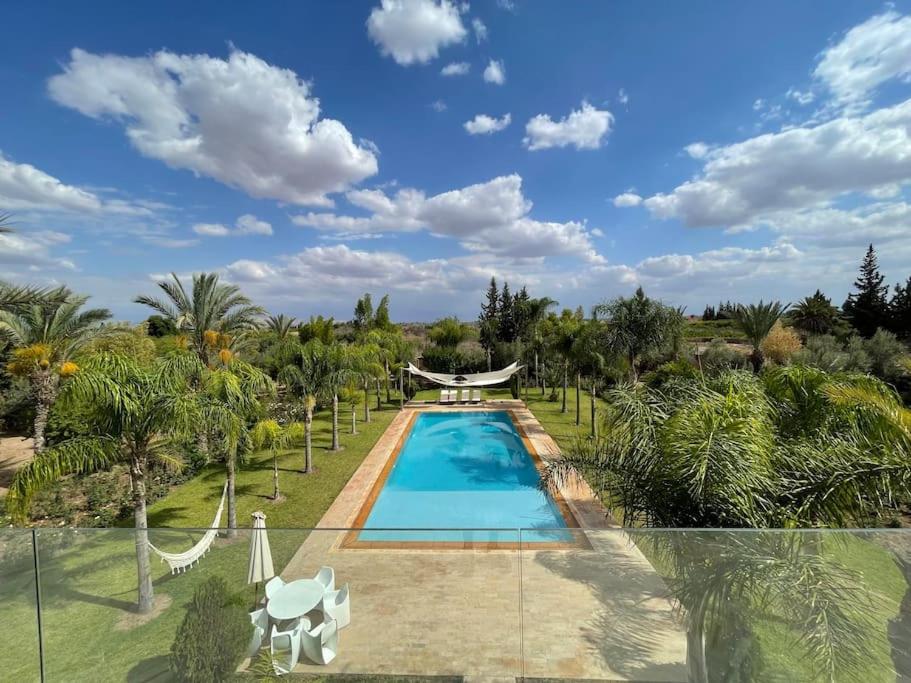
[149, 670]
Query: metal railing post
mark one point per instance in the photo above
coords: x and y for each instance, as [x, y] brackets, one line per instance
[36, 565]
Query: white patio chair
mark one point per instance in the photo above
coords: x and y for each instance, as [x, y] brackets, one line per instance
[466, 395]
[285, 646]
[326, 576]
[337, 605]
[444, 396]
[476, 396]
[321, 643]
[260, 620]
[272, 586]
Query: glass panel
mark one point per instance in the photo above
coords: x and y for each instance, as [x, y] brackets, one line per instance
[416, 609]
[720, 605]
[19, 653]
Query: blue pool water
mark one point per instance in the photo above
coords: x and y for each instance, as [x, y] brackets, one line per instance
[464, 470]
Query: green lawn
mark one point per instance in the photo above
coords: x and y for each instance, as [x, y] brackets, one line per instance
[712, 329]
[88, 577]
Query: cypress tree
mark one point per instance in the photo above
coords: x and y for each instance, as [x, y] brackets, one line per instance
[900, 310]
[867, 309]
[489, 320]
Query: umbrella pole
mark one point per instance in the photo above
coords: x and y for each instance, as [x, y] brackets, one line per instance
[255, 592]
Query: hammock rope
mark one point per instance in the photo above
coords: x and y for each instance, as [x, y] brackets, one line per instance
[180, 562]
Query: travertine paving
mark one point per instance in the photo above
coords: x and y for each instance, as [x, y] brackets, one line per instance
[598, 612]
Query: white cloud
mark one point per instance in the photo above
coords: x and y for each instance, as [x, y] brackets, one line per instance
[248, 224]
[491, 217]
[802, 97]
[169, 242]
[413, 31]
[438, 106]
[480, 30]
[495, 72]
[627, 199]
[583, 128]
[697, 150]
[482, 124]
[456, 69]
[212, 229]
[33, 250]
[870, 54]
[26, 188]
[194, 112]
[623, 97]
[799, 168]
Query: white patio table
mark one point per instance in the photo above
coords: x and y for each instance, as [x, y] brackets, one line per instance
[295, 598]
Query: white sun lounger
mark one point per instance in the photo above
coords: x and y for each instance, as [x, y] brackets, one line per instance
[476, 396]
[466, 395]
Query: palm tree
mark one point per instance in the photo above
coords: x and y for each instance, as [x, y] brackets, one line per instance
[638, 326]
[212, 318]
[341, 370]
[210, 310]
[6, 223]
[280, 325]
[366, 363]
[310, 378]
[562, 337]
[18, 298]
[756, 321]
[535, 311]
[815, 314]
[590, 355]
[270, 434]
[138, 412]
[46, 337]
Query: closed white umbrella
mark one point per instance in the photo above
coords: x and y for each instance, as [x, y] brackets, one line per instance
[260, 566]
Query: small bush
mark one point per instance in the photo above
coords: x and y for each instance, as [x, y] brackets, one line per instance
[886, 352]
[780, 344]
[213, 637]
[719, 356]
[675, 368]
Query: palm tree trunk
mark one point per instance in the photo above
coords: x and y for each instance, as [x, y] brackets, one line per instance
[231, 465]
[335, 445]
[565, 377]
[543, 377]
[578, 398]
[366, 400]
[143, 563]
[594, 421]
[756, 359]
[633, 375]
[537, 377]
[386, 365]
[274, 475]
[308, 441]
[44, 388]
[354, 421]
[695, 653]
[379, 403]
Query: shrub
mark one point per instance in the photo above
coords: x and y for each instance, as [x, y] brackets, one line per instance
[825, 352]
[780, 344]
[675, 368]
[886, 353]
[720, 356]
[213, 637]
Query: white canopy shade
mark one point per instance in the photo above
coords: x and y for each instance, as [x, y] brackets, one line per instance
[260, 567]
[479, 379]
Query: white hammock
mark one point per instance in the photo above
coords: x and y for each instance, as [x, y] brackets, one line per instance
[478, 379]
[180, 562]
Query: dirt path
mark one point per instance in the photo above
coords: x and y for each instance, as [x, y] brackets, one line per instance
[15, 451]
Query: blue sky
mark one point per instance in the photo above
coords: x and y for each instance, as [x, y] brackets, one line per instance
[311, 152]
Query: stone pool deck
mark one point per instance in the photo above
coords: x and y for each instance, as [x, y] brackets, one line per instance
[594, 611]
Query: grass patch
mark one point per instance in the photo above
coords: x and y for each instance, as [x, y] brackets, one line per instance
[712, 329]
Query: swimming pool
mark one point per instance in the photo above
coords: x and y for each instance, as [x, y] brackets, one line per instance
[460, 471]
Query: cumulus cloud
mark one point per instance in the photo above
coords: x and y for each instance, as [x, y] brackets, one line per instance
[413, 31]
[697, 150]
[495, 72]
[194, 112]
[248, 224]
[583, 128]
[33, 250]
[492, 217]
[480, 30]
[627, 199]
[482, 124]
[870, 54]
[26, 188]
[799, 168]
[456, 69]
